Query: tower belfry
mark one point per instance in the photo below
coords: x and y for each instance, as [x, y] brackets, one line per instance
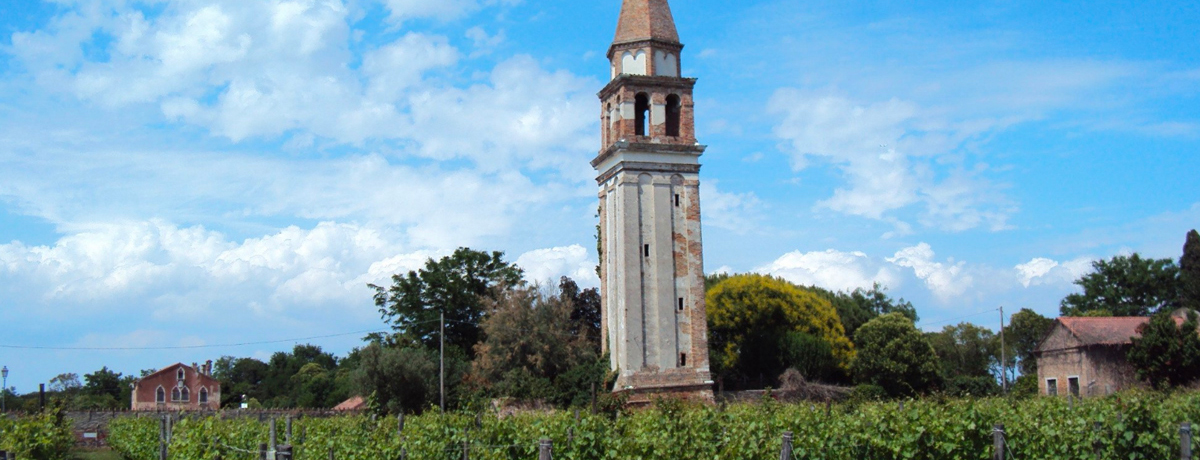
[652, 267]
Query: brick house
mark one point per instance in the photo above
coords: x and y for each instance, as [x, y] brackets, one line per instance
[178, 387]
[1086, 356]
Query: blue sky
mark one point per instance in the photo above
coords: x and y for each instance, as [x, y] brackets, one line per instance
[203, 173]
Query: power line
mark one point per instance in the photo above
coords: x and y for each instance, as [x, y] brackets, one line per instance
[188, 347]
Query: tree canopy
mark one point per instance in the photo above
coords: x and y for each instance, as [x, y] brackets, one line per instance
[857, 307]
[453, 285]
[1023, 334]
[1167, 354]
[753, 319]
[1189, 272]
[1126, 286]
[894, 355]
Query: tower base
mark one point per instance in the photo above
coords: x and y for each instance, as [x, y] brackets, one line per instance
[685, 384]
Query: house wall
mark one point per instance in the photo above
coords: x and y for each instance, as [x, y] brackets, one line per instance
[1102, 370]
[144, 392]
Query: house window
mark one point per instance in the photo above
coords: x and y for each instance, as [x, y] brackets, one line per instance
[1073, 386]
[175, 395]
[185, 395]
[160, 395]
[1052, 387]
[203, 395]
[179, 374]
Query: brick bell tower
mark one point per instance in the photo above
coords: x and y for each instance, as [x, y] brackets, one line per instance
[652, 267]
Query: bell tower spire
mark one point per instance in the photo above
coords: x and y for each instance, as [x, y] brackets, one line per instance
[652, 264]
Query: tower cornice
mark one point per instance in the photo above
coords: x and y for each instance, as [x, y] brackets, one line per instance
[645, 80]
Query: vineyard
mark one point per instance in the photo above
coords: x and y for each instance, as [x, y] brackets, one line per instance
[44, 436]
[1127, 426]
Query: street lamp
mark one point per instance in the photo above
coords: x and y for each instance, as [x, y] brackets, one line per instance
[4, 390]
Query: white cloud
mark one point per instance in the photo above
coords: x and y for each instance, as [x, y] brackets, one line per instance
[740, 213]
[945, 280]
[1042, 271]
[548, 265]
[831, 269]
[886, 153]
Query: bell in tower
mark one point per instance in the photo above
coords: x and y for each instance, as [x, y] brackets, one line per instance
[652, 265]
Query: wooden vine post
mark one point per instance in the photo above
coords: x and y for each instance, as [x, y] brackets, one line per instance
[545, 450]
[785, 451]
[998, 442]
[1185, 441]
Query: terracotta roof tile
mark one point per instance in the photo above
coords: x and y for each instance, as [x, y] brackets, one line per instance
[646, 20]
[1104, 331]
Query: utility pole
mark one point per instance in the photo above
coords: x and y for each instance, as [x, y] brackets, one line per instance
[1003, 355]
[442, 362]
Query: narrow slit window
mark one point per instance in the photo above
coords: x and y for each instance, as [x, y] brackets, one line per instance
[676, 200]
[646, 249]
[681, 304]
[682, 359]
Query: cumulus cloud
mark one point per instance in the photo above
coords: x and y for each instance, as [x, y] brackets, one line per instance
[890, 155]
[944, 279]
[831, 269]
[245, 70]
[548, 265]
[1042, 271]
[740, 213]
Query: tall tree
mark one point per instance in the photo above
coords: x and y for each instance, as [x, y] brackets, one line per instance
[862, 305]
[894, 355]
[750, 320]
[585, 309]
[1126, 286]
[530, 347]
[453, 285]
[966, 350]
[1022, 336]
[1189, 272]
[241, 379]
[1167, 354]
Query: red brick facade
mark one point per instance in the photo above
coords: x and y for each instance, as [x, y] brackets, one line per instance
[178, 387]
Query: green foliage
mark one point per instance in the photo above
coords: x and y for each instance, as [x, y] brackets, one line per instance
[966, 350]
[931, 429]
[893, 354]
[403, 379]
[1167, 354]
[1189, 272]
[1025, 386]
[44, 436]
[752, 320]
[453, 285]
[1126, 286]
[963, 386]
[862, 305]
[1023, 334]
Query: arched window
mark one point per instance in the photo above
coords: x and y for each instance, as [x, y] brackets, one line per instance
[175, 394]
[673, 113]
[607, 128]
[203, 395]
[160, 395]
[641, 107]
[179, 374]
[184, 394]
